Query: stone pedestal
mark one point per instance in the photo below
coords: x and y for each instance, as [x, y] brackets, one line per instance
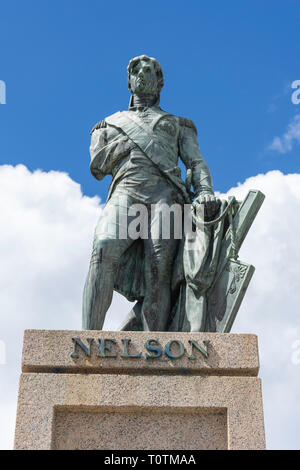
[139, 390]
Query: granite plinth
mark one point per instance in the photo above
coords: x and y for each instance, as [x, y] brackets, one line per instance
[72, 398]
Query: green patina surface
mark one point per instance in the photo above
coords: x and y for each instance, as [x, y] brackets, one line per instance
[178, 284]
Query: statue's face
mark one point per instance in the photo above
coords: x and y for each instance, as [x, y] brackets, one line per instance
[143, 78]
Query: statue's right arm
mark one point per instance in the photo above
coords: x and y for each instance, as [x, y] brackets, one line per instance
[107, 144]
[101, 137]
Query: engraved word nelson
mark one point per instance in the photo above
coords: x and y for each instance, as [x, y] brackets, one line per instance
[109, 348]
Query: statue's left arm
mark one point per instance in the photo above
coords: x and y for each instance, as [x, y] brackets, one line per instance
[190, 154]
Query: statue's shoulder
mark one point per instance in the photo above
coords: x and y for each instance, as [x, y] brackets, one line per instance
[104, 123]
[185, 122]
[99, 125]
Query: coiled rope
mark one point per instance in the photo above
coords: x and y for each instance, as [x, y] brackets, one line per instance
[228, 210]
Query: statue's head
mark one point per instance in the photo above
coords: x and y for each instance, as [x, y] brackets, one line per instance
[145, 75]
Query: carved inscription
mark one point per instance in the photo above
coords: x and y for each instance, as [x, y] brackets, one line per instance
[109, 348]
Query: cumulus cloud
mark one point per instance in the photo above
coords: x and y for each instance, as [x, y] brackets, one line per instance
[46, 234]
[45, 244]
[271, 305]
[286, 142]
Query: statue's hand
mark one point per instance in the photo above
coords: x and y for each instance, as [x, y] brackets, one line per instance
[210, 202]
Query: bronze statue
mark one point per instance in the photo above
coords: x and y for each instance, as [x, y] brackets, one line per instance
[178, 283]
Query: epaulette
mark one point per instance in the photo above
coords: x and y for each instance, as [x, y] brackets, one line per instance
[99, 125]
[185, 122]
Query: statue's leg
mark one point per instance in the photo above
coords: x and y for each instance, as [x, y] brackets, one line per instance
[159, 260]
[160, 251]
[107, 251]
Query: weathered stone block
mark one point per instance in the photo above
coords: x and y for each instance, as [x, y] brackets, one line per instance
[74, 397]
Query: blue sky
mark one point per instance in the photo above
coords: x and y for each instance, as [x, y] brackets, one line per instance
[227, 65]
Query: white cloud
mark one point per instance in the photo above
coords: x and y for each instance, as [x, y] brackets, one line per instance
[286, 142]
[46, 236]
[271, 305]
[45, 243]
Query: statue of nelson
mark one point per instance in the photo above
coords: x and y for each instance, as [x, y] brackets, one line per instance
[140, 149]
